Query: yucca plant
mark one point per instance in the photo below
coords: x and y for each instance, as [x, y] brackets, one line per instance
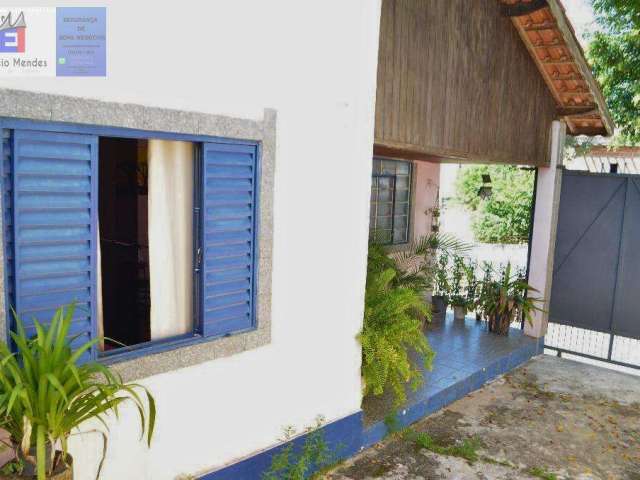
[504, 299]
[46, 395]
[392, 330]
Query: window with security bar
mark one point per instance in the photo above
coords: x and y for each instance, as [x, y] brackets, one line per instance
[390, 201]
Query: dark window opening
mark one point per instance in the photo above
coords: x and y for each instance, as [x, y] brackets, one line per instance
[124, 244]
[613, 168]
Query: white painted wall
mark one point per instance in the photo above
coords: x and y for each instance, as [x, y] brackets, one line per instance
[315, 62]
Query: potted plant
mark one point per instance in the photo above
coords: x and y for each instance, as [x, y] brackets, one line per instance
[457, 293]
[482, 290]
[46, 395]
[506, 298]
[471, 286]
[439, 298]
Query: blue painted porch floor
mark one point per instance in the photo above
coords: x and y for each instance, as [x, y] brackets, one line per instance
[467, 356]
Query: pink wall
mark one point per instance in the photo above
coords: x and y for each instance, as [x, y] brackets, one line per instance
[425, 196]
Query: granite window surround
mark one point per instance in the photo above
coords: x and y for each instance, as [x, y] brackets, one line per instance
[154, 121]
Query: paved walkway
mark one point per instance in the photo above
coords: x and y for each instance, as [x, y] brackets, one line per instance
[463, 349]
[550, 419]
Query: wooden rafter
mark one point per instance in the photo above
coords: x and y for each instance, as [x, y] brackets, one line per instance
[551, 41]
[520, 8]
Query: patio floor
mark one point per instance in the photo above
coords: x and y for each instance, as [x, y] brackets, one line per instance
[467, 356]
[551, 419]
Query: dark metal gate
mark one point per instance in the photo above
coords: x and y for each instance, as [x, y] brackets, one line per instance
[596, 275]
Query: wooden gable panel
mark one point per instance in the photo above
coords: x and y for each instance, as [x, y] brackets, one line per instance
[456, 81]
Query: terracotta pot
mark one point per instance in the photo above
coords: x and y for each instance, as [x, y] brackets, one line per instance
[438, 307]
[64, 471]
[459, 312]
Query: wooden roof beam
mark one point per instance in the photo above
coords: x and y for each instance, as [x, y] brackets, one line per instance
[567, 111]
[522, 8]
[566, 76]
[556, 42]
[536, 27]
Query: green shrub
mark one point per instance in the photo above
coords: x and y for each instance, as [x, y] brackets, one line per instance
[504, 299]
[505, 216]
[45, 395]
[392, 328]
[293, 463]
[395, 311]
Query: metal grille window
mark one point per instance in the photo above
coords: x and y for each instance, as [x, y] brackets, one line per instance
[390, 201]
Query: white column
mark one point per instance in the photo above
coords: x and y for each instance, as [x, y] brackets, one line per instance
[545, 222]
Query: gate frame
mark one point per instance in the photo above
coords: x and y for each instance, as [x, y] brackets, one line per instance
[559, 350]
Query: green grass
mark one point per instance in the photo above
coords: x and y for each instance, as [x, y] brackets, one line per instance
[467, 449]
[542, 473]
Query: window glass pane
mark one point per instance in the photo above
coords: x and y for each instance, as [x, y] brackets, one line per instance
[402, 182]
[400, 222]
[385, 182]
[385, 195]
[402, 209]
[384, 209]
[389, 167]
[383, 222]
[400, 236]
[402, 168]
[402, 196]
[377, 166]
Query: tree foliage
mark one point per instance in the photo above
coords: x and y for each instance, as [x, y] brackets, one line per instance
[504, 217]
[614, 53]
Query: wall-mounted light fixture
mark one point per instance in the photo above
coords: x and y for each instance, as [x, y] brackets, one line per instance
[485, 190]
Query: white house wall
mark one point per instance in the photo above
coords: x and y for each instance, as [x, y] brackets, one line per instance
[315, 64]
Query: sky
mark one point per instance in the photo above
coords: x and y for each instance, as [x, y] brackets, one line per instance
[580, 14]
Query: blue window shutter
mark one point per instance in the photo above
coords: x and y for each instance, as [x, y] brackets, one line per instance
[7, 221]
[228, 237]
[55, 212]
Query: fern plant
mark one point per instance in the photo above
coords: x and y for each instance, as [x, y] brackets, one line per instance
[392, 329]
[45, 395]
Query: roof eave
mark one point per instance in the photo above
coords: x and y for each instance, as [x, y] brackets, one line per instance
[573, 44]
[581, 104]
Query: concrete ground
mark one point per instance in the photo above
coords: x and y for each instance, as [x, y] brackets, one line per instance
[549, 419]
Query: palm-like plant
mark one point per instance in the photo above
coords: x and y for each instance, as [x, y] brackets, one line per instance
[46, 395]
[416, 265]
[503, 299]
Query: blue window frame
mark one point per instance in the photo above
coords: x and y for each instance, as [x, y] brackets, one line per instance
[49, 205]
